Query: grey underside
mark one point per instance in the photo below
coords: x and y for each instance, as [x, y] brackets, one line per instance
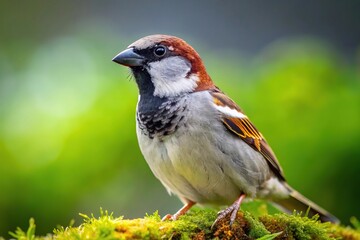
[201, 161]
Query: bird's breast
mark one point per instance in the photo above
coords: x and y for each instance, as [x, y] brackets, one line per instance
[189, 150]
[179, 144]
[188, 165]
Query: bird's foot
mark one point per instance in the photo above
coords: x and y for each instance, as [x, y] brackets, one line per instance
[182, 211]
[233, 209]
[168, 217]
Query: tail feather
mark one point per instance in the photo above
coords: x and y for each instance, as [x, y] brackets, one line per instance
[298, 202]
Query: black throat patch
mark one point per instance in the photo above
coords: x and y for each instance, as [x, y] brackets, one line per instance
[159, 117]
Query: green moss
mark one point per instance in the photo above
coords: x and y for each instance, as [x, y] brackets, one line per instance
[29, 234]
[355, 223]
[197, 225]
[297, 227]
[256, 228]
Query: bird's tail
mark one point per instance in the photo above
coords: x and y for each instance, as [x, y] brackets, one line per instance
[298, 202]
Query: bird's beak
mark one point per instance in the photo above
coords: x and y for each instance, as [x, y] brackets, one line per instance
[129, 58]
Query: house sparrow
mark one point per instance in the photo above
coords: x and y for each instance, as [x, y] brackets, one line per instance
[196, 140]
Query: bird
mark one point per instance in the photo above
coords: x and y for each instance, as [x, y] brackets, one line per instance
[196, 140]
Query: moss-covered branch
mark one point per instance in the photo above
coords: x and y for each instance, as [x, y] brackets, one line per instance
[197, 225]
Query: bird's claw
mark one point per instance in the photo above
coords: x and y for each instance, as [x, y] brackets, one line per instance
[223, 213]
[168, 217]
[233, 210]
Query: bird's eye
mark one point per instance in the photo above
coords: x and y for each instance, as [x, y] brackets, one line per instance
[160, 51]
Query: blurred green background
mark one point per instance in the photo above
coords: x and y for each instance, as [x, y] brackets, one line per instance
[67, 125]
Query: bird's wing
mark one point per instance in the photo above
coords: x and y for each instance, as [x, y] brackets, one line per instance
[240, 125]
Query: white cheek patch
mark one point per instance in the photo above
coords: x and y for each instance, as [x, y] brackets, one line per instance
[169, 77]
[230, 112]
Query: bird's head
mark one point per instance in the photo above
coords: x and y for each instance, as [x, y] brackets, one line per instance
[165, 66]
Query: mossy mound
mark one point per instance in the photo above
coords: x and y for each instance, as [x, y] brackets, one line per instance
[197, 224]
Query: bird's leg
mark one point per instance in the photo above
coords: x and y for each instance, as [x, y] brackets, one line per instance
[182, 211]
[233, 209]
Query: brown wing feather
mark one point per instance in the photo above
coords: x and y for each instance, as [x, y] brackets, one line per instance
[243, 128]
